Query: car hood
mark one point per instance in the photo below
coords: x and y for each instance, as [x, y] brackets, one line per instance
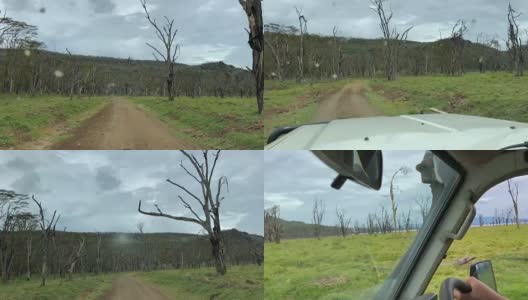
[407, 132]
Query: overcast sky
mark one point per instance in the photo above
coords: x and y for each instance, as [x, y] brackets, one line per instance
[430, 17]
[295, 178]
[209, 30]
[100, 190]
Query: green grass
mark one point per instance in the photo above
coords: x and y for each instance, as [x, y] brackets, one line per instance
[243, 282]
[288, 103]
[353, 268]
[208, 122]
[85, 288]
[23, 119]
[495, 95]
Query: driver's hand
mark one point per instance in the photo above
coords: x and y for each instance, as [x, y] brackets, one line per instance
[480, 292]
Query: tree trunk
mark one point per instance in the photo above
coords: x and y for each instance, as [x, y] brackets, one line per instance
[218, 254]
[44, 266]
[28, 258]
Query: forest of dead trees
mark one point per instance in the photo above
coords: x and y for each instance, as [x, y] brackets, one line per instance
[292, 53]
[388, 219]
[27, 68]
[37, 245]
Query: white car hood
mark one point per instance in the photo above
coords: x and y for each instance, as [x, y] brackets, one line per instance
[407, 132]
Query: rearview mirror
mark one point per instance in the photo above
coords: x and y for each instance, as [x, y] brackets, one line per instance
[362, 167]
[483, 271]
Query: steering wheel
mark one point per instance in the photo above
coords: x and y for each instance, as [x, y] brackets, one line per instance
[449, 285]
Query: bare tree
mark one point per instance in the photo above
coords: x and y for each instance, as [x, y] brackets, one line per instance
[74, 257]
[318, 213]
[253, 9]
[513, 190]
[272, 224]
[47, 227]
[514, 42]
[338, 54]
[393, 39]
[457, 47]
[424, 204]
[343, 222]
[392, 196]
[303, 29]
[209, 202]
[167, 35]
[481, 220]
[98, 256]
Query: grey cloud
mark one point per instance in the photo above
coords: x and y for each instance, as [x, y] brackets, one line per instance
[103, 6]
[106, 179]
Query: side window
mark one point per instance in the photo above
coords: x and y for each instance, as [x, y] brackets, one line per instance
[498, 233]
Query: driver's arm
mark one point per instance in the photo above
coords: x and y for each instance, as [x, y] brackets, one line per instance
[480, 292]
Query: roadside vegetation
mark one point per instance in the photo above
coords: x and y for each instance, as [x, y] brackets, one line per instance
[338, 268]
[242, 282]
[25, 118]
[212, 123]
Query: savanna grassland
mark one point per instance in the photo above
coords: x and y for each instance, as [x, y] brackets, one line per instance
[496, 95]
[213, 123]
[353, 267]
[242, 282]
[24, 118]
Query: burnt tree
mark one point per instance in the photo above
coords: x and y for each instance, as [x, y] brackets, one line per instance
[457, 47]
[209, 202]
[167, 35]
[393, 40]
[48, 229]
[318, 212]
[253, 9]
[514, 42]
[513, 190]
[343, 223]
[392, 194]
[303, 29]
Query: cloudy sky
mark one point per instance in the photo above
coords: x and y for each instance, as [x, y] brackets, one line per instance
[430, 17]
[294, 179]
[209, 30]
[100, 190]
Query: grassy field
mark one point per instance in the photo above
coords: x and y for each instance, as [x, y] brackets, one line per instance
[244, 282]
[288, 103]
[85, 288]
[23, 119]
[495, 95]
[229, 123]
[352, 268]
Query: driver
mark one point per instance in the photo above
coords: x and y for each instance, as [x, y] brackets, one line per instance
[480, 291]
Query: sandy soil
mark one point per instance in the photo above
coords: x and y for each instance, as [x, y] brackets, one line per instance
[349, 102]
[129, 288]
[122, 125]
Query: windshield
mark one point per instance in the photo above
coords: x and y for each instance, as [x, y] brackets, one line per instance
[349, 243]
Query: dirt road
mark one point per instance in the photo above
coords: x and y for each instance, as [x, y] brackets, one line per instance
[129, 288]
[122, 125]
[349, 102]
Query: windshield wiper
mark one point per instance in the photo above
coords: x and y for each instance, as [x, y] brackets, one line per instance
[523, 145]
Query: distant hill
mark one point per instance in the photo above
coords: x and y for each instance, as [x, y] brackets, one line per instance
[300, 230]
[364, 57]
[106, 75]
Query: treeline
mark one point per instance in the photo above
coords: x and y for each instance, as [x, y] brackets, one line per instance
[27, 68]
[35, 244]
[329, 57]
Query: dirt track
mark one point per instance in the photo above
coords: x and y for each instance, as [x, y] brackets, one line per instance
[129, 288]
[121, 125]
[349, 102]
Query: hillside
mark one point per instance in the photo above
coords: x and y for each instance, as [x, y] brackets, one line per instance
[300, 230]
[131, 251]
[105, 75]
[364, 57]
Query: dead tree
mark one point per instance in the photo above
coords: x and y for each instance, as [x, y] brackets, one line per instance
[318, 212]
[513, 190]
[48, 230]
[209, 201]
[393, 40]
[303, 29]
[424, 204]
[167, 35]
[343, 223]
[272, 224]
[74, 257]
[481, 220]
[392, 196]
[253, 9]
[514, 42]
[338, 54]
[98, 257]
[457, 47]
